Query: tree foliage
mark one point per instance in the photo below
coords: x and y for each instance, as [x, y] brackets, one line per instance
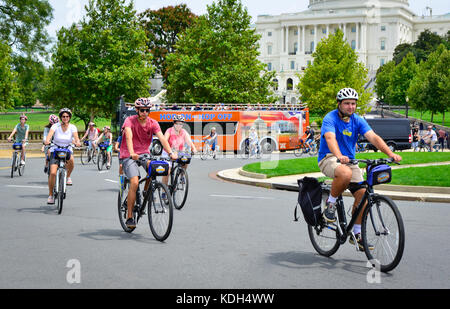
[216, 60]
[99, 59]
[22, 25]
[400, 79]
[335, 66]
[7, 77]
[163, 28]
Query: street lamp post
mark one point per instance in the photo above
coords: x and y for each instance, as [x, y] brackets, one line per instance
[382, 104]
[407, 100]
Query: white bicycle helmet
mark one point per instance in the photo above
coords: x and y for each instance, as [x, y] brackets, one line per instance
[347, 93]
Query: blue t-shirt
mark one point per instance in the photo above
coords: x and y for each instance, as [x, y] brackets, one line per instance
[346, 133]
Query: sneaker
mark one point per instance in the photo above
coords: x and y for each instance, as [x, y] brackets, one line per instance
[46, 169]
[22, 162]
[69, 181]
[360, 242]
[130, 223]
[164, 198]
[51, 200]
[329, 213]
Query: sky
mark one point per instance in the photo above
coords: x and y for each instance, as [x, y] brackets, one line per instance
[68, 11]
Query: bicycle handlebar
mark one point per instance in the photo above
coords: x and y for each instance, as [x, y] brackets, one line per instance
[371, 162]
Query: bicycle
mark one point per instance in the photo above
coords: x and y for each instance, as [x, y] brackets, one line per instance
[422, 146]
[102, 159]
[250, 150]
[156, 199]
[208, 152]
[88, 154]
[62, 154]
[16, 164]
[303, 149]
[385, 232]
[179, 181]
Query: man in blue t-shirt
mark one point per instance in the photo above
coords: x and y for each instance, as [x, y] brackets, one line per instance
[339, 134]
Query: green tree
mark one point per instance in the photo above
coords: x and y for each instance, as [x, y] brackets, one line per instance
[400, 80]
[22, 25]
[335, 66]
[383, 79]
[163, 28]
[99, 59]
[7, 77]
[430, 87]
[426, 43]
[30, 74]
[216, 60]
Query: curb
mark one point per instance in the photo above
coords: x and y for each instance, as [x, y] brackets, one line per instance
[395, 192]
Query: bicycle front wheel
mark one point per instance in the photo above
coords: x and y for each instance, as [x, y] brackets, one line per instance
[100, 161]
[382, 228]
[204, 154]
[61, 185]
[180, 188]
[13, 164]
[160, 211]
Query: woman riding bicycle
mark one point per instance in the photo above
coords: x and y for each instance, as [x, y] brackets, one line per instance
[106, 138]
[92, 135]
[252, 140]
[62, 133]
[52, 119]
[177, 138]
[22, 130]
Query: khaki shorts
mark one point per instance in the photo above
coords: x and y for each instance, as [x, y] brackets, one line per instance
[328, 164]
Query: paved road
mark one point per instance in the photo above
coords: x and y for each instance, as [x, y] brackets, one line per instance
[227, 236]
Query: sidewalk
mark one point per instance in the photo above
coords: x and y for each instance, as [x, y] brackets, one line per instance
[289, 183]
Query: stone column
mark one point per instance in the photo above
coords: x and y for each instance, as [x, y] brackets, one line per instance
[357, 34]
[287, 40]
[298, 40]
[315, 37]
[344, 30]
[328, 30]
[303, 38]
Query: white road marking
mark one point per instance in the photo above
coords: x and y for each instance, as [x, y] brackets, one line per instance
[242, 197]
[28, 187]
[113, 181]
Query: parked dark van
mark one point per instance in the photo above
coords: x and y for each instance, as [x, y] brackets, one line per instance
[396, 132]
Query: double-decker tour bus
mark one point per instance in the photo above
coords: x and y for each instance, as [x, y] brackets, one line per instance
[277, 129]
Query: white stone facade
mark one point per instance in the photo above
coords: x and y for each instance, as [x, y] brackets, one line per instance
[373, 28]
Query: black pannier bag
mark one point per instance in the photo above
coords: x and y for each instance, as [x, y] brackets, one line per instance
[158, 168]
[310, 200]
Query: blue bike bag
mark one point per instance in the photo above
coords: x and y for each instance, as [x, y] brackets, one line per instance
[17, 146]
[379, 174]
[158, 168]
[184, 158]
[62, 153]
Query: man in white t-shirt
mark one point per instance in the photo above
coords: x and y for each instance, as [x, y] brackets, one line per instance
[430, 137]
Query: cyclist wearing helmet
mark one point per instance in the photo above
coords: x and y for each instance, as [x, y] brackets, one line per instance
[138, 133]
[309, 137]
[92, 135]
[52, 119]
[177, 138]
[62, 133]
[106, 137]
[22, 130]
[211, 139]
[339, 134]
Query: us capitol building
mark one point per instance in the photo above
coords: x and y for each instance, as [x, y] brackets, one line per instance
[373, 28]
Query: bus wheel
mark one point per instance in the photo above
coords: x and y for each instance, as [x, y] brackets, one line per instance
[267, 147]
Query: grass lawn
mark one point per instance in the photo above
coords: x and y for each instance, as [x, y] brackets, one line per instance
[426, 116]
[38, 121]
[309, 165]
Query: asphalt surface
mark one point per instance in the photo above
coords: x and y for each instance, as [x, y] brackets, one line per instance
[228, 236]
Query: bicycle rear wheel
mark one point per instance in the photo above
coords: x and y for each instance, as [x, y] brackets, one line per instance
[94, 155]
[204, 153]
[180, 188]
[21, 168]
[325, 236]
[160, 211]
[122, 207]
[382, 227]
[60, 197]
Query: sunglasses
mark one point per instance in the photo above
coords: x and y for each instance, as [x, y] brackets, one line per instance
[144, 110]
[65, 116]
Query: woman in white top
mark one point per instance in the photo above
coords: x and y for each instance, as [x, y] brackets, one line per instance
[62, 134]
